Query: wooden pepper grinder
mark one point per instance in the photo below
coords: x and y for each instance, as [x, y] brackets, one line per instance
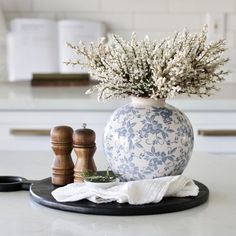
[84, 147]
[62, 145]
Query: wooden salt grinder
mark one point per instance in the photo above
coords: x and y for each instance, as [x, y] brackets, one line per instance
[62, 145]
[84, 147]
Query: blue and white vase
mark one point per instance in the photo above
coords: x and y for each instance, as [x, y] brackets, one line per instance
[146, 139]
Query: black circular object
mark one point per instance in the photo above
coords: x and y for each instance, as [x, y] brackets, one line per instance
[41, 193]
[13, 183]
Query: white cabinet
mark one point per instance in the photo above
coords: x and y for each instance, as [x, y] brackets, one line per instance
[28, 113]
[30, 130]
[214, 131]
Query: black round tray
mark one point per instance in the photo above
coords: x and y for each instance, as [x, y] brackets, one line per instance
[41, 193]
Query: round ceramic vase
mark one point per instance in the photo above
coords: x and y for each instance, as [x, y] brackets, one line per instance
[147, 139]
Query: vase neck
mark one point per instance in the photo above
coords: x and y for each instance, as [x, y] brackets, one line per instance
[148, 101]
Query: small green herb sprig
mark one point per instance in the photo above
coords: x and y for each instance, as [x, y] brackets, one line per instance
[99, 176]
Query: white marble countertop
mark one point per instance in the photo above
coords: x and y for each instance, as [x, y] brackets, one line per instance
[21, 96]
[20, 216]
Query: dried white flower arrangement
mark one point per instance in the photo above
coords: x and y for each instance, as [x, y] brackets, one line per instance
[151, 69]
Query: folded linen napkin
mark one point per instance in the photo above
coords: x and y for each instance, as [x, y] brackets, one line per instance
[134, 192]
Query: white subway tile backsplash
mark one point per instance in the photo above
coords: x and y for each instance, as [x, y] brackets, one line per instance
[231, 65]
[3, 71]
[3, 54]
[156, 18]
[125, 34]
[234, 41]
[156, 35]
[168, 22]
[202, 5]
[44, 15]
[65, 5]
[112, 20]
[231, 22]
[134, 5]
[230, 39]
[16, 5]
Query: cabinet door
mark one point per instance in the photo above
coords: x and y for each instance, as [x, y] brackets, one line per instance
[31, 130]
[214, 132]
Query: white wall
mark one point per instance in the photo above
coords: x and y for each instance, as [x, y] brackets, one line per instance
[157, 18]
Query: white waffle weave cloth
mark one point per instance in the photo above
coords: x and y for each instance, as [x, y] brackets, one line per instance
[134, 192]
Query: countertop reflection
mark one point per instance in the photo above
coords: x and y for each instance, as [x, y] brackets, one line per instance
[22, 96]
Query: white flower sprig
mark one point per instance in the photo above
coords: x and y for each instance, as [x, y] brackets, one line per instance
[182, 64]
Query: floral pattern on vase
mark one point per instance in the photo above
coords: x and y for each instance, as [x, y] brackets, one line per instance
[147, 139]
